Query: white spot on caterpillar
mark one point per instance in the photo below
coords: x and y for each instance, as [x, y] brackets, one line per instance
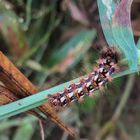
[70, 94]
[77, 84]
[79, 90]
[95, 78]
[86, 78]
[101, 83]
[62, 99]
[69, 88]
[88, 84]
[101, 69]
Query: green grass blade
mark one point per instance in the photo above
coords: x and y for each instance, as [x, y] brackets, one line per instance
[30, 102]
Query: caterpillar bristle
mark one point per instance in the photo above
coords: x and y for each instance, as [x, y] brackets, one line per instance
[96, 80]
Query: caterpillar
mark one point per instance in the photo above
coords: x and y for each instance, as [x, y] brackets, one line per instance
[107, 65]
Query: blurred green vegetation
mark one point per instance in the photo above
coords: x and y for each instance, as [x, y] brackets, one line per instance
[50, 46]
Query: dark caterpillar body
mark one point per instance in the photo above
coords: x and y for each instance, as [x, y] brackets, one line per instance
[90, 83]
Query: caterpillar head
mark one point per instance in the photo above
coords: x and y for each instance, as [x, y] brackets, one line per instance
[110, 53]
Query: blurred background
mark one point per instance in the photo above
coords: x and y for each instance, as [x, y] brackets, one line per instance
[54, 41]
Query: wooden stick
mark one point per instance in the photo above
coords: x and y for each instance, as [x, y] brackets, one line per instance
[6, 96]
[21, 87]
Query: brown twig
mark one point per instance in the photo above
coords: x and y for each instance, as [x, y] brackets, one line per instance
[21, 87]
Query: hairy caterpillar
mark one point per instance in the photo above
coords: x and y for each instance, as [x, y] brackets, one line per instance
[107, 65]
